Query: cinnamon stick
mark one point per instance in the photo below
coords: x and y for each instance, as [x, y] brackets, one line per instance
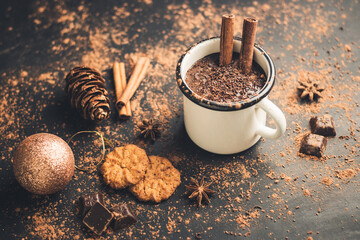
[226, 39]
[136, 77]
[120, 84]
[247, 46]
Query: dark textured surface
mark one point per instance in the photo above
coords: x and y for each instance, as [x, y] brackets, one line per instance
[298, 35]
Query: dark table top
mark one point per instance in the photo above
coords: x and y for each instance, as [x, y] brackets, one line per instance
[42, 40]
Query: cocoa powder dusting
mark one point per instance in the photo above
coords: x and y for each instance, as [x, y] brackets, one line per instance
[44, 228]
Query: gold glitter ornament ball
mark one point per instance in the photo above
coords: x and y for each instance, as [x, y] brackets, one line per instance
[43, 163]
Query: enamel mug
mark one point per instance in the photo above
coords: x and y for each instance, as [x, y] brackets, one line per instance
[228, 128]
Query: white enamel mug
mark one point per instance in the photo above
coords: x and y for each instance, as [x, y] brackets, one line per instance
[228, 128]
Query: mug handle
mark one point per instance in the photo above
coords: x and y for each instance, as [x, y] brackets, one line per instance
[277, 115]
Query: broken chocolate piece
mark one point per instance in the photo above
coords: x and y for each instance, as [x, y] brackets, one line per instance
[313, 144]
[98, 218]
[88, 200]
[323, 125]
[123, 216]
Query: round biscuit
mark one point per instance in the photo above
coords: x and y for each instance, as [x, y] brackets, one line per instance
[124, 166]
[159, 183]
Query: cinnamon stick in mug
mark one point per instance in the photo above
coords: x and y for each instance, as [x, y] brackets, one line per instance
[136, 77]
[247, 45]
[226, 39]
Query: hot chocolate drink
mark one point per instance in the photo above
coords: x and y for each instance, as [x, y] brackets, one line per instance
[224, 84]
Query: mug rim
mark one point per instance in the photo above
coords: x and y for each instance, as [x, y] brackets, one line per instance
[232, 106]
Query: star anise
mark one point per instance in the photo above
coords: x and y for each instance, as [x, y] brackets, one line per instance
[310, 90]
[200, 190]
[149, 129]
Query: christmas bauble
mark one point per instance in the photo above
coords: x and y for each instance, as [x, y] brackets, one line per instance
[43, 163]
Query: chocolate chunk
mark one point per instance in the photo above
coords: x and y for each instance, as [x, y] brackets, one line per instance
[98, 218]
[313, 144]
[323, 125]
[123, 216]
[88, 200]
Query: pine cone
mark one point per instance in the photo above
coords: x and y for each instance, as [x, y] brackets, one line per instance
[86, 90]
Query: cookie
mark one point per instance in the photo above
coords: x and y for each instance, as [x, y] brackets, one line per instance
[160, 181]
[124, 166]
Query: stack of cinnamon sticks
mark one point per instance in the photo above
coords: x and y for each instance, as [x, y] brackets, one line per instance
[125, 90]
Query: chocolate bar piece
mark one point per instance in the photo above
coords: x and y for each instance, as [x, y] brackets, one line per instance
[88, 200]
[123, 216]
[313, 144]
[323, 125]
[98, 218]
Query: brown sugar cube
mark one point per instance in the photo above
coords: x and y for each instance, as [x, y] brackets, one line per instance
[98, 218]
[313, 144]
[323, 125]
